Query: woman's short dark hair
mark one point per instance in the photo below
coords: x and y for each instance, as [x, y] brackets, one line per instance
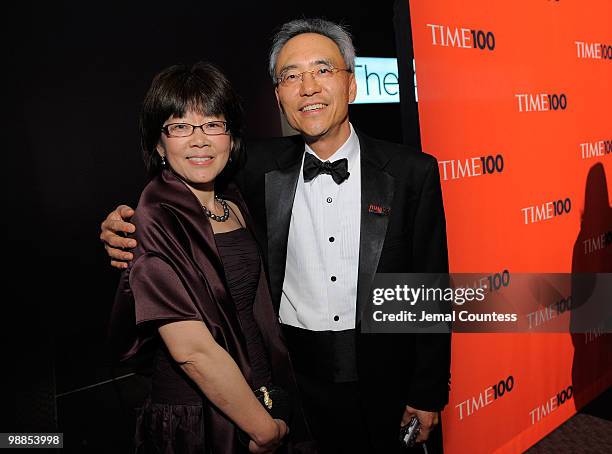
[201, 88]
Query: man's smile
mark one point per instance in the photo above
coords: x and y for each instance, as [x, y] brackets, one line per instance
[313, 107]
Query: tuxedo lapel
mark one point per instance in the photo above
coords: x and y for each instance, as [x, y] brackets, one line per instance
[280, 185]
[377, 188]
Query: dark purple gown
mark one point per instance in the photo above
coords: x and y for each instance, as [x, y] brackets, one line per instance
[181, 271]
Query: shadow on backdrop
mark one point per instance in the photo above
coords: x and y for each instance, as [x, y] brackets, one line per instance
[592, 253]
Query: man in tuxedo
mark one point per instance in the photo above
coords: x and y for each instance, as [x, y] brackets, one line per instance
[332, 208]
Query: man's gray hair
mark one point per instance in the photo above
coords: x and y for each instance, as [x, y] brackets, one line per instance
[337, 33]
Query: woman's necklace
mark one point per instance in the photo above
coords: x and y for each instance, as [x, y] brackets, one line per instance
[213, 216]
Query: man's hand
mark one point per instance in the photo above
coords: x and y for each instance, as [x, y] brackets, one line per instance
[271, 446]
[115, 244]
[428, 420]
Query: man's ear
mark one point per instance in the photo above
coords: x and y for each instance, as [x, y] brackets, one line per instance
[280, 106]
[352, 87]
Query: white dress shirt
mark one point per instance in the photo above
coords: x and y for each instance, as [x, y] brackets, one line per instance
[320, 285]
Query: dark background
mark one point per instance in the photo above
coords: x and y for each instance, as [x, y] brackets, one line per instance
[75, 75]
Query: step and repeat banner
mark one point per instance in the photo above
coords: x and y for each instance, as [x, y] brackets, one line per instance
[514, 100]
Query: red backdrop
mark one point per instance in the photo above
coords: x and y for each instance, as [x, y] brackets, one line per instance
[514, 100]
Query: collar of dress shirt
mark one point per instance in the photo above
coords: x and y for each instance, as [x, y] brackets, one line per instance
[349, 150]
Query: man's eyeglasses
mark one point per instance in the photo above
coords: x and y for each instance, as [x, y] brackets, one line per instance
[291, 78]
[212, 128]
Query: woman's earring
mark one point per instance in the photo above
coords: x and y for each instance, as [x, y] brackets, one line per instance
[163, 161]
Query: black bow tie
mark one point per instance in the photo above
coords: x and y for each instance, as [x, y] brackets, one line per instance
[314, 166]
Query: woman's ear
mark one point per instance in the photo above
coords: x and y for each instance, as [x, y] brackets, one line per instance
[160, 150]
[162, 154]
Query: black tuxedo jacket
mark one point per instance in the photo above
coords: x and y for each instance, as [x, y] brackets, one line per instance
[398, 369]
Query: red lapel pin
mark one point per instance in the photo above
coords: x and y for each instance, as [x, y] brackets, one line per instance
[377, 209]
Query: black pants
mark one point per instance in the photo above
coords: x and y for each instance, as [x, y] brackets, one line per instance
[340, 422]
[344, 415]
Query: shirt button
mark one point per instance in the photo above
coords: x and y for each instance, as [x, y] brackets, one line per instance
[329, 200]
[336, 318]
[333, 278]
[331, 239]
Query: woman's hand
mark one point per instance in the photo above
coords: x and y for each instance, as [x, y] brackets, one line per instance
[115, 244]
[216, 373]
[270, 442]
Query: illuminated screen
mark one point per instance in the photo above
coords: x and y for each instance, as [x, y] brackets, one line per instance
[377, 81]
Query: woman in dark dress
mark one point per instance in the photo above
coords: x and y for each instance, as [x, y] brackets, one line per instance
[199, 290]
